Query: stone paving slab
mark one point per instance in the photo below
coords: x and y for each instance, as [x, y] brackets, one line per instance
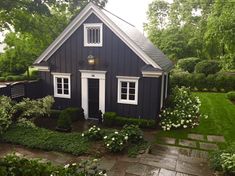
[187, 143]
[136, 169]
[208, 146]
[198, 137]
[181, 174]
[107, 164]
[168, 140]
[165, 172]
[199, 154]
[213, 138]
[199, 169]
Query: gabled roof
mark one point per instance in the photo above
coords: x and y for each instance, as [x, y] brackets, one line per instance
[124, 30]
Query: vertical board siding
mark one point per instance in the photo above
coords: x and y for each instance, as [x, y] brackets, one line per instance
[117, 59]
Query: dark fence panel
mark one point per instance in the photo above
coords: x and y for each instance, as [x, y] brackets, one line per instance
[19, 90]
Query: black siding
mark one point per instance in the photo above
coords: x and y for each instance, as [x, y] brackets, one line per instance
[117, 59]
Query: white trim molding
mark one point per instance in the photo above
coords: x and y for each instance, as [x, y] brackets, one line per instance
[149, 74]
[128, 80]
[166, 88]
[79, 20]
[62, 76]
[92, 74]
[42, 68]
[162, 91]
[88, 26]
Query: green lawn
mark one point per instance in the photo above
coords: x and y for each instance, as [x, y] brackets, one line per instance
[221, 120]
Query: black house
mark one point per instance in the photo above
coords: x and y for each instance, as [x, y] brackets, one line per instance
[101, 62]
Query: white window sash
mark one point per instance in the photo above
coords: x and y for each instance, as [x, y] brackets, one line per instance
[62, 76]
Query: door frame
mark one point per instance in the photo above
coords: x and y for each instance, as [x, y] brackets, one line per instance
[92, 74]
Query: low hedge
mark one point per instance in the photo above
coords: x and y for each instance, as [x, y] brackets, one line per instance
[40, 138]
[18, 78]
[112, 119]
[188, 64]
[231, 95]
[74, 113]
[201, 82]
[208, 67]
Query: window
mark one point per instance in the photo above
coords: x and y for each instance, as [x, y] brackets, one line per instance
[128, 90]
[93, 34]
[62, 85]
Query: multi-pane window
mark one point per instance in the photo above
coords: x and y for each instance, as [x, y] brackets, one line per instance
[128, 90]
[62, 86]
[93, 34]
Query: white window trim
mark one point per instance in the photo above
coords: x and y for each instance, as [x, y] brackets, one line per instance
[61, 75]
[128, 79]
[162, 91]
[166, 90]
[87, 25]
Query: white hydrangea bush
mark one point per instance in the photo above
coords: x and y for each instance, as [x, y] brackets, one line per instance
[184, 112]
[115, 142]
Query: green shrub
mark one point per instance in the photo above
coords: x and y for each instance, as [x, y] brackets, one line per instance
[224, 160]
[94, 133]
[115, 142]
[20, 166]
[111, 119]
[2, 79]
[34, 74]
[6, 113]
[9, 78]
[188, 64]
[64, 121]
[75, 113]
[184, 113]
[40, 138]
[208, 67]
[134, 133]
[231, 95]
[212, 82]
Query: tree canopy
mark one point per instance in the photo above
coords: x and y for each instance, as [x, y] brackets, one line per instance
[194, 28]
[32, 25]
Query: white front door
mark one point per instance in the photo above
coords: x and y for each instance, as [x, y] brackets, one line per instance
[92, 74]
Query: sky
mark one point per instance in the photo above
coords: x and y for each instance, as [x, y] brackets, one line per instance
[133, 11]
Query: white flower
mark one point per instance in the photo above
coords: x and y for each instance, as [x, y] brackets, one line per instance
[185, 126]
[98, 129]
[113, 139]
[95, 160]
[74, 164]
[189, 115]
[105, 137]
[126, 138]
[116, 132]
[66, 166]
[107, 145]
[121, 143]
[82, 134]
[206, 116]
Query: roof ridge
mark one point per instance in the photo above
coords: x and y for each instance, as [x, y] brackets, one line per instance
[118, 17]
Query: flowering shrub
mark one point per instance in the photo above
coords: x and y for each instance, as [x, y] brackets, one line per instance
[25, 123]
[17, 165]
[34, 108]
[94, 133]
[184, 112]
[115, 142]
[224, 160]
[133, 132]
[6, 113]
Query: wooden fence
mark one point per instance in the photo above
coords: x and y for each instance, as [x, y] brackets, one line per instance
[19, 90]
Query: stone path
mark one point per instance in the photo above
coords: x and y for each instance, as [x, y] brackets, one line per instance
[184, 159]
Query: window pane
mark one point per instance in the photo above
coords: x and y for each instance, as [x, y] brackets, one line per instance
[66, 91]
[123, 96]
[124, 84]
[66, 86]
[124, 90]
[59, 80]
[131, 91]
[132, 84]
[59, 91]
[131, 97]
[66, 80]
[59, 86]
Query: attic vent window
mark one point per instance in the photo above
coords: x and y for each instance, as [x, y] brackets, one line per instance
[93, 35]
